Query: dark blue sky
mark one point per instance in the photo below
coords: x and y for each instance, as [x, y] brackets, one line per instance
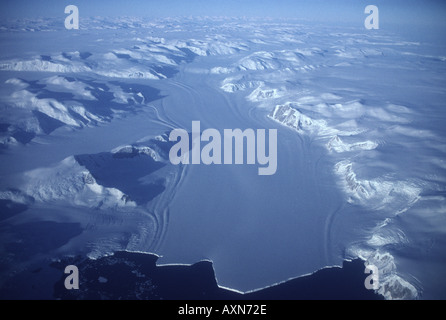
[391, 11]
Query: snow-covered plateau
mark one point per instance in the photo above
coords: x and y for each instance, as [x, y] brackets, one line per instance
[361, 151]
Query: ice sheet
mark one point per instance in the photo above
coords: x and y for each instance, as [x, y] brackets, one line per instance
[361, 144]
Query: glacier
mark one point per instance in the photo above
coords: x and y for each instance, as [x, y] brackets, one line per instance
[361, 147]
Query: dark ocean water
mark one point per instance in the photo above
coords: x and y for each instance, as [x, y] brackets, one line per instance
[135, 276]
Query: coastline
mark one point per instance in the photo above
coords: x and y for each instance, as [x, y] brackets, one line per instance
[135, 276]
